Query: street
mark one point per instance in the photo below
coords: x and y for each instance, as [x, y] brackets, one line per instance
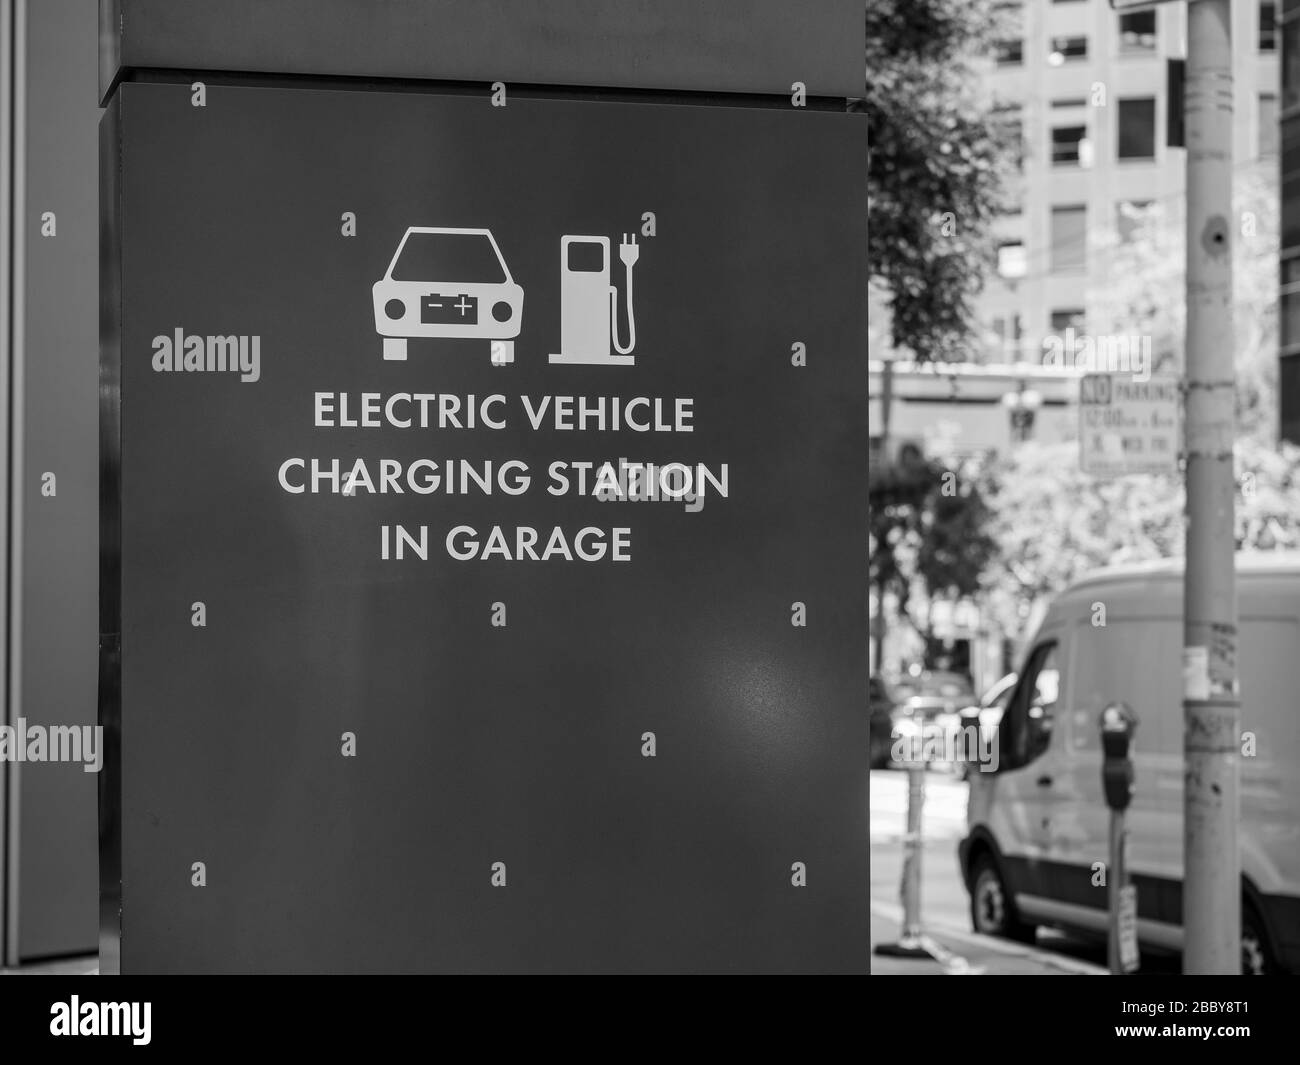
[945, 913]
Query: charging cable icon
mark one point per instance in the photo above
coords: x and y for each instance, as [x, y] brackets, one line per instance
[589, 302]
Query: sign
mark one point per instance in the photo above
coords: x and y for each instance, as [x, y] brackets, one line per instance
[1129, 956]
[491, 533]
[1128, 425]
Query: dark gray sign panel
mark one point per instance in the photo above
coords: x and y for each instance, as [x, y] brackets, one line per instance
[740, 46]
[427, 661]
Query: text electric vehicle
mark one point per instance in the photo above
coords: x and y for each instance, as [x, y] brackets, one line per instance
[1038, 826]
[451, 283]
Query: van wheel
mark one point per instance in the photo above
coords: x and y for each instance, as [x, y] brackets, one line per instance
[1256, 958]
[992, 911]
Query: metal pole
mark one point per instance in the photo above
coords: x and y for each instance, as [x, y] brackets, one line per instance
[1211, 878]
[911, 888]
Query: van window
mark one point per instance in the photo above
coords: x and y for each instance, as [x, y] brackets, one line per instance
[1137, 661]
[1025, 731]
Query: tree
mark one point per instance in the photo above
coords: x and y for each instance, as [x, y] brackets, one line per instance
[937, 161]
[1143, 293]
[1052, 523]
[927, 534]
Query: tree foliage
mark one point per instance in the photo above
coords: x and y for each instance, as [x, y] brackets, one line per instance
[928, 533]
[937, 161]
[1053, 523]
[1144, 291]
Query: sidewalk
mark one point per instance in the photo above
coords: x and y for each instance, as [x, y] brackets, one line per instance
[966, 953]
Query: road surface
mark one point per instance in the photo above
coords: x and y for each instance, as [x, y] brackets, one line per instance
[945, 907]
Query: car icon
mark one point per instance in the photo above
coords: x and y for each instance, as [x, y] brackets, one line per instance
[448, 283]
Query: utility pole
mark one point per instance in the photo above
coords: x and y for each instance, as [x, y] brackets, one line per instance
[1211, 710]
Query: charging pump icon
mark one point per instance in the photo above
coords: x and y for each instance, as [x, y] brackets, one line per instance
[589, 302]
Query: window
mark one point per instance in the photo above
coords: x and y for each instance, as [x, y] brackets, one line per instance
[1010, 118]
[1267, 124]
[1011, 259]
[1064, 48]
[1290, 210]
[1076, 101]
[1025, 730]
[1069, 250]
[1066, 141]
[1290, 63]
[1068, 319]
[1137, 129]
[1014, 336]
[1268, 26]
[1288, 377]
[1137, 32]
[1009, 52]
[1130, 217]
[1290, 319]
[1006, 335]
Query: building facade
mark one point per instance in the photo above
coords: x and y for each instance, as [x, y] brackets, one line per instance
[1090, 89]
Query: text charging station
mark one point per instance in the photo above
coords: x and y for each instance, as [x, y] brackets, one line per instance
[490, 490]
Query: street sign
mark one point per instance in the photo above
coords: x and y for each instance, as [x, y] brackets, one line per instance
[1129, 956]
[1128, 425]
[481, 611]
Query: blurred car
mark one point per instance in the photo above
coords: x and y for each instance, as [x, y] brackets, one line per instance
[988, 712]
[880, 707]
[928, 707]
[984, 715]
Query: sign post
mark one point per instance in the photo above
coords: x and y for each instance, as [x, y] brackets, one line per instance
[1118, 726]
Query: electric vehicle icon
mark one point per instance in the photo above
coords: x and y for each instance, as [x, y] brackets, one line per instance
[589, 302]
[451, 283]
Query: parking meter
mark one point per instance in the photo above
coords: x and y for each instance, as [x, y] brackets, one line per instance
[1118, 725]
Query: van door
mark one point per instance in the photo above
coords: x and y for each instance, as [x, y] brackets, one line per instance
[1023, 810]
[1137, 661]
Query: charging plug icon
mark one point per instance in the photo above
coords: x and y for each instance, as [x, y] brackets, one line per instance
[629, 252]
[589, 302]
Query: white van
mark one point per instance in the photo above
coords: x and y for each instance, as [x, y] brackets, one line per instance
[1038, 824]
